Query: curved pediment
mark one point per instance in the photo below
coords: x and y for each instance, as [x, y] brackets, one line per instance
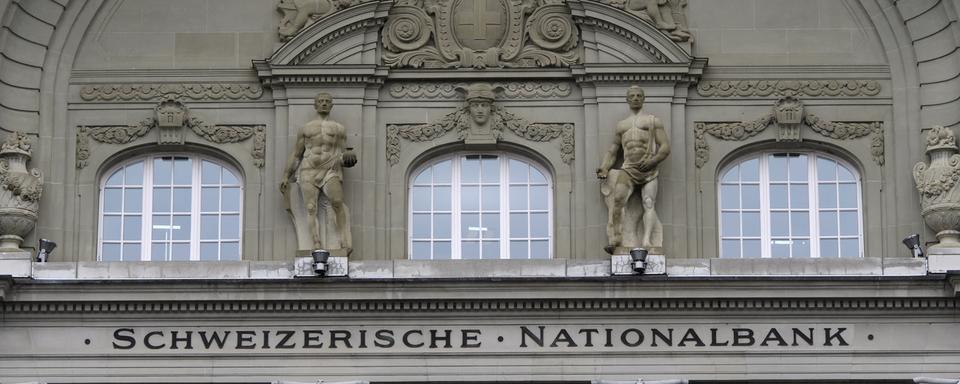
[440, 34]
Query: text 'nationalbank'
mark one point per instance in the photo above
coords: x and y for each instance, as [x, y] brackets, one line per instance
[491, 338]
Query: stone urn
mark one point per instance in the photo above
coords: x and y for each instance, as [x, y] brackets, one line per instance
[19, 192]
[939, 189]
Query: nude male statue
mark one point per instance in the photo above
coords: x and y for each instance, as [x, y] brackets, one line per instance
[318, 159]
[667, 15]
[643, 143]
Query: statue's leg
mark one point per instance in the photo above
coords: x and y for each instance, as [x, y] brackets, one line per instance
[650, 219]
[663, 20]
[333, 189]
[616, 201]
[311, 197]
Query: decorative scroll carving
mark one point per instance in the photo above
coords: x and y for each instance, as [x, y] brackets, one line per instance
[669, 16]
[170, 116]
[297, 14]
[811, 88]
[480, 121]
[480, 34]
[519, 90]
[788, 106]
[938, 188]
[150, 92]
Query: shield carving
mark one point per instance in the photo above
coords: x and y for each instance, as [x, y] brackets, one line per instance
[479, 24]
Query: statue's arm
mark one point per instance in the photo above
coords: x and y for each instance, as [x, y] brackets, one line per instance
[611, 157]
[295, 157]
[348, 159]
[663, 143]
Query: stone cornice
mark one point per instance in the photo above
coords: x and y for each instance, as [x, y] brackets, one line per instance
[282, 75]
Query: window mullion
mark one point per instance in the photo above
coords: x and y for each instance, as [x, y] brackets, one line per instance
[814, 188]
[195, 184]
[455, 245]
[147, 211]
[504, 206]
[765, 239]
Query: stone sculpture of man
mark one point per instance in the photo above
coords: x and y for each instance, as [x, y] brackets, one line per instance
[317, 161]
[667, 15]
[640, 145]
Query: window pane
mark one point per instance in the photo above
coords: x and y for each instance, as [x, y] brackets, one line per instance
[210, 173]
[751, 224]
[179, 252]
[421, 198]
[470, 250]
[182, 199]
[112, 200]
[491, 224]
[470, 169]
[231, 199]
[540, 249]
[844, 174]
[161, 228]
[162, 197]
[111, 228]
[779, 224]
[732, 175]
[778, 168]
[518, 172]
[539, 197]
[181, 227]
[162, 171]
[518, 197]
[518, 225]
[470, 198]
[441, 198]
[518, 249]
[420, 251]
[750, 195]
[800, 224]
[799, 196]
[230, 227]
[778, 196]
[441, 226]
[209, 251]
[134, 174]
[828, 195]
[750, 170]
[826, 169]
[491, 169]
[441, 172]
[182, 172]
[160, 251]
[751, 249]
[441, 250]
[828, 223]
[209, 199]
[730, 222]
[110, 252]
[730, 248]
[133, 200]
[491, 198]
[848, 224]
[729, 197]
[229, 178]
[420, 228]
[536, 177]
[801, 248]
[209, 228]
[848, 195]
[470, 223]
[116, 178]
[423, 178]
[539, 225]
[490, 250]
[131, 252]
[849, 248]
[131, 227]
[798, 168]
[230, 250]
[780, 248]
[829, 248]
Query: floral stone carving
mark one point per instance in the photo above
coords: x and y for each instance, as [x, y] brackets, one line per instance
[193, 91]
[20, 191]
[480, 34]
[170, 117]
[938, 187]
[788, 113]
[810, 88]
[480, 121]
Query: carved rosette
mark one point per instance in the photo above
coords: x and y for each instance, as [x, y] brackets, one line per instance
[480, 34]
[20, 191]
[938, 186]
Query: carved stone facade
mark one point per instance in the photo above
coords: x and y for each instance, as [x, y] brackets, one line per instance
[796, 88]
[480, 34]
[938, 187]
[159, 91]
[20, 191]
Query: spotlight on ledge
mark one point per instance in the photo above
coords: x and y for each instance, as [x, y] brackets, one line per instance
[913, 244]
[46, 247]
[639, 257]
[320, 257]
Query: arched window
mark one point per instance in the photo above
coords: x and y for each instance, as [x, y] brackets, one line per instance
[170, 207]
[481, 206]
[793, 204]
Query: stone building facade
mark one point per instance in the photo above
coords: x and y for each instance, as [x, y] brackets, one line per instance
[803, 141]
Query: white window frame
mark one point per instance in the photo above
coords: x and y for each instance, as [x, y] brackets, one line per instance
[814, 208]
[456, 237]
[146, 212]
